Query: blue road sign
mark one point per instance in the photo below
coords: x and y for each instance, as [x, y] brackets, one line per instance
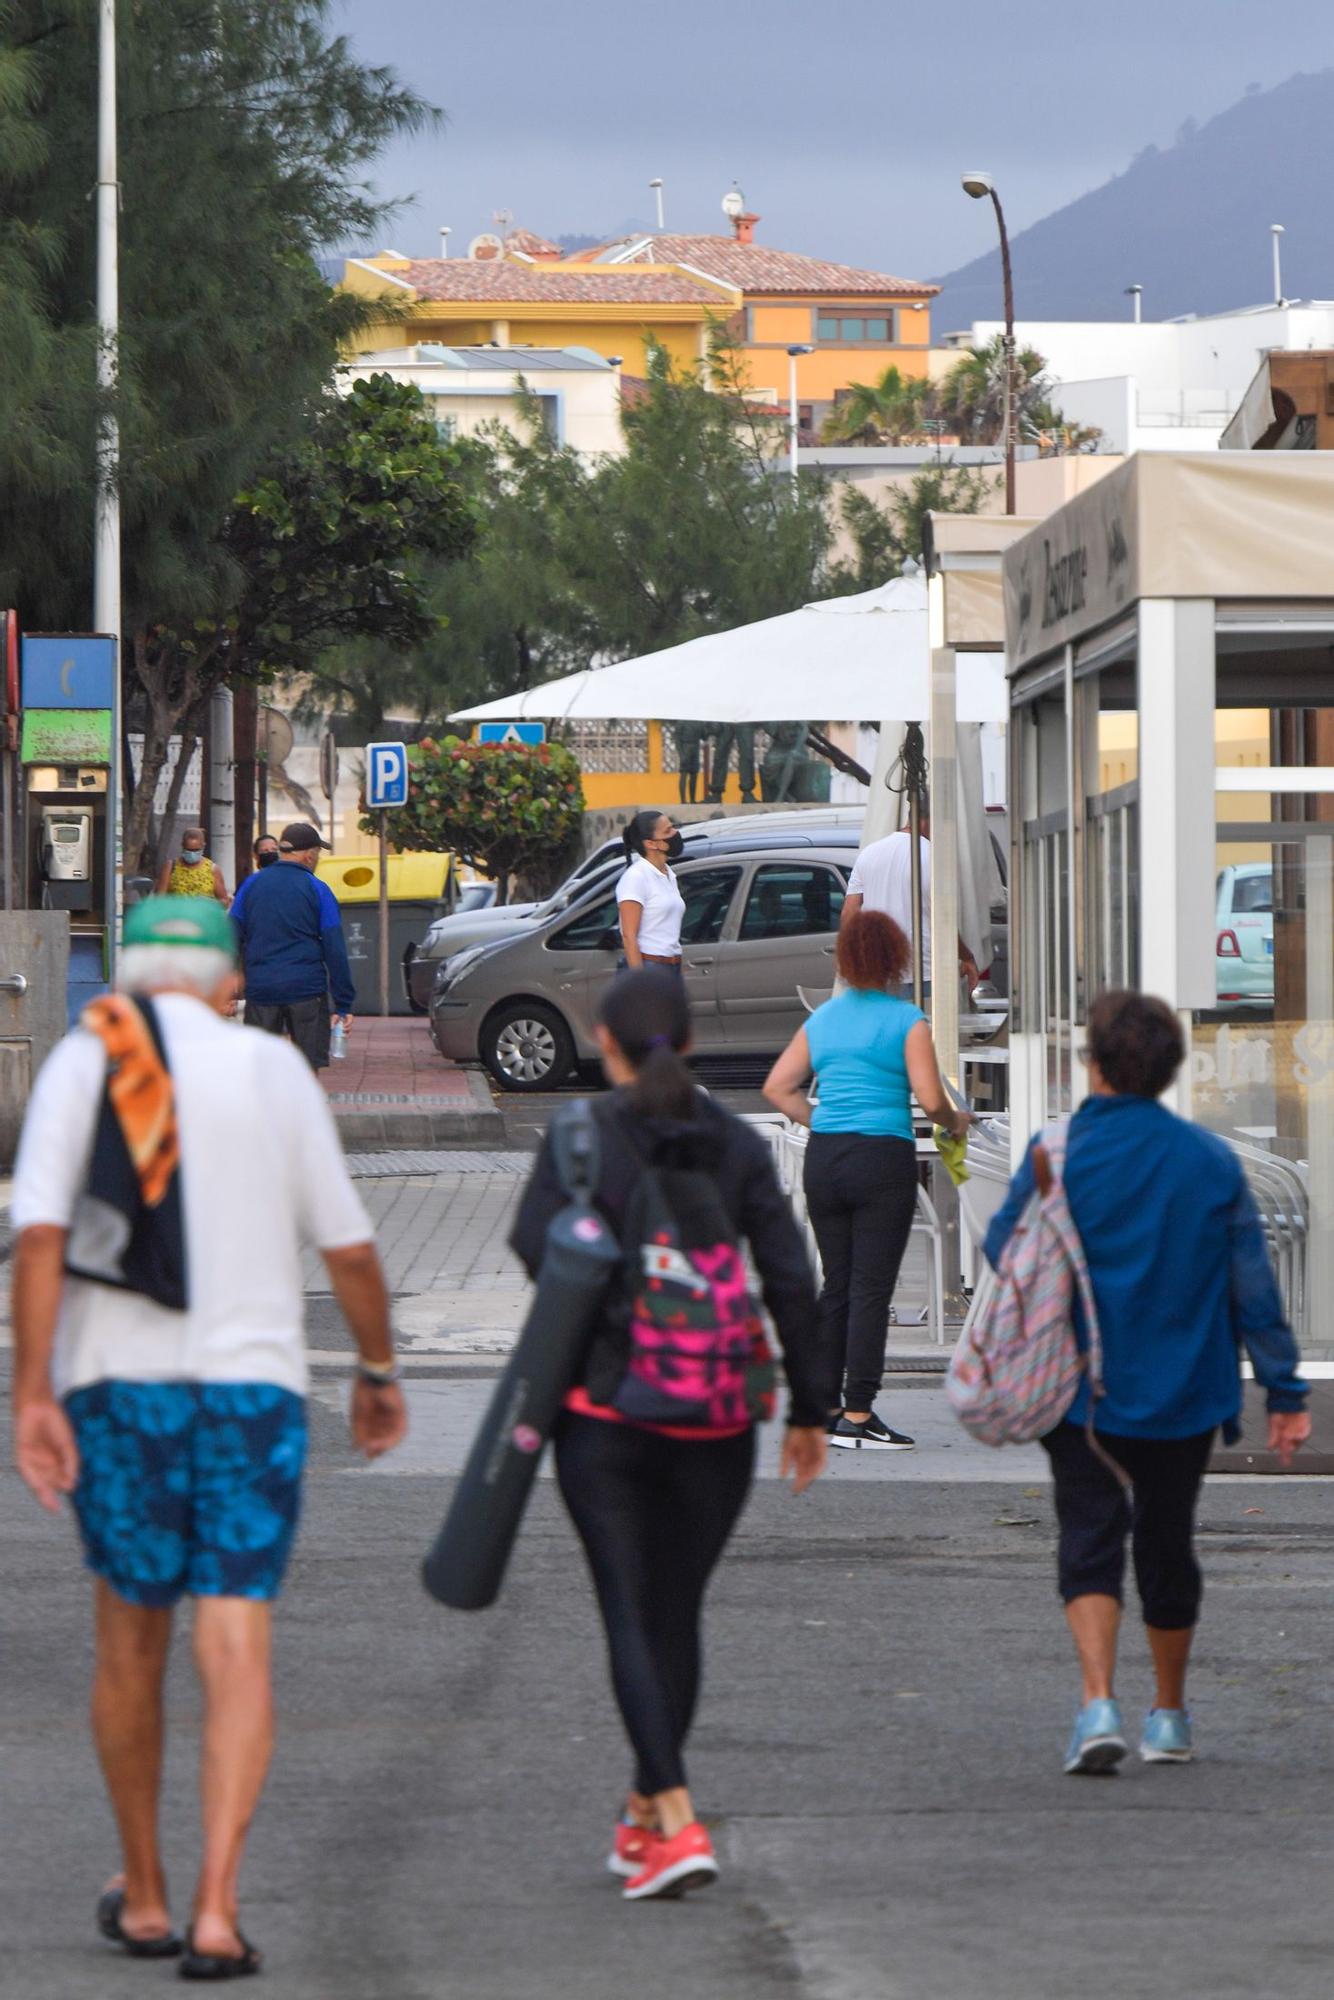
[386, 775]
[74, 671]
[531, 733]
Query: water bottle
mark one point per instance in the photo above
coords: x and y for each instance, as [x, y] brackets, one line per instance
[338, 1042]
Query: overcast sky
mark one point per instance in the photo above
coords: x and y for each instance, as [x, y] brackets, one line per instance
[846, 122]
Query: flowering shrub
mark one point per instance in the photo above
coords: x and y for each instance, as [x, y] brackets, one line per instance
[504, 808]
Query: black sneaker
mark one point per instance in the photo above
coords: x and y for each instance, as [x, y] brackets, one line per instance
[869, 1435]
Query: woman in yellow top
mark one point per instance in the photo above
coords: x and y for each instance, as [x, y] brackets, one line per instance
[193, 874]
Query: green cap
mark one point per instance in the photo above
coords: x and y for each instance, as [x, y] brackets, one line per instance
[181, 920]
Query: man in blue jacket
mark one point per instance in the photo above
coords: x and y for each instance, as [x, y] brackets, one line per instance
[292, 948]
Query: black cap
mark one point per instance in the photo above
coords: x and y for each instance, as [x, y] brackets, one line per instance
[300, 837]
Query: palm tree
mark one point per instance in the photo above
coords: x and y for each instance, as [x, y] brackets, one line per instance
[970, 400]
[890, 411]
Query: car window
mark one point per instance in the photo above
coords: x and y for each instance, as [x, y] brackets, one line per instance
[588, 929]
[792, 899]
[1253, 892]
[708, 896]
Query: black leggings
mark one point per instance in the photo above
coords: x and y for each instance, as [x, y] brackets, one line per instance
[861, 1196]
[1096, 1513]
[654, 1514]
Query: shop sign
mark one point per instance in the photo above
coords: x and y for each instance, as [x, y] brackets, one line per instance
[1073, 573]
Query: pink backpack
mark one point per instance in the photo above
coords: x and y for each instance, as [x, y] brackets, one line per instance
[1018, 1366]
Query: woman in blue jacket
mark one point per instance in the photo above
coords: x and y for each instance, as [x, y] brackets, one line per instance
[1181, 1280]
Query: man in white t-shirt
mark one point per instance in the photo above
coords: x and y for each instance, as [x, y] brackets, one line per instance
[172, 1166]
[882, 880]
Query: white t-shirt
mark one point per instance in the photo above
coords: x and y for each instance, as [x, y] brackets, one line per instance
[663, 904]
[882, 877]
[262, 1175]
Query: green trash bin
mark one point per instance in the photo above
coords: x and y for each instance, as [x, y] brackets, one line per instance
[421, 888]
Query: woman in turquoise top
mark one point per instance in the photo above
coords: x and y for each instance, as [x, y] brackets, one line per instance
[870, 1053]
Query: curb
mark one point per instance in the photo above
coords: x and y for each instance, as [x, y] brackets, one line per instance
[372, 1123]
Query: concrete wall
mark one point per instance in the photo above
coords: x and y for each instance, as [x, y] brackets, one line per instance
[35, 945]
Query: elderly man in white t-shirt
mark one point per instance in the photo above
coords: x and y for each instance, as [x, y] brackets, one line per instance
[881, 879]
[172, 1166]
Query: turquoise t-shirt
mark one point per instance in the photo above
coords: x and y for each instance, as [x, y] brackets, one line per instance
[856, 1042]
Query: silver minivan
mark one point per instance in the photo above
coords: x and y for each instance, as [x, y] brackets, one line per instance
[760, 927]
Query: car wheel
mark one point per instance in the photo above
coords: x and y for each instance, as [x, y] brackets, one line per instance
[526, 1046]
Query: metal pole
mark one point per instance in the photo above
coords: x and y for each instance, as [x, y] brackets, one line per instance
[106, 528]
[384, 919]
[914, 771]
[1275, 232]
[792, 415]
[1011, 390]
[656, 186]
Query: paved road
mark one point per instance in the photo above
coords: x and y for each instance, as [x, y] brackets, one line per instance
[878, 1752]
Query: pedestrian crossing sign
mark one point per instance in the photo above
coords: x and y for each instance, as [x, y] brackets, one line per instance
[531, 733]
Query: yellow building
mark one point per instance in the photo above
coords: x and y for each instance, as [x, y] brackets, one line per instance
[516, 302]
[857, 323]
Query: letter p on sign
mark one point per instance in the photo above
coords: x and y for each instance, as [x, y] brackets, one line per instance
[386, 775]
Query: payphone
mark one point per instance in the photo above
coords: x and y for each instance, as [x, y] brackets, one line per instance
[66, 835]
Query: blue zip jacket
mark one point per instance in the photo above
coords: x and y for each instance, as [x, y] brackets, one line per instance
[292, 945]
[1181, 1277]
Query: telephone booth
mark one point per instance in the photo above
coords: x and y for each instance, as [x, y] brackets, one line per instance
[1170, 646]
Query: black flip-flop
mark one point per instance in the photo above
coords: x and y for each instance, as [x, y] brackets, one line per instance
[110, 1908]
[217, 1965]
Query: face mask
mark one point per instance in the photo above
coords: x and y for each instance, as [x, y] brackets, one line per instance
[266, 859]
[676, 847]
[192, 854]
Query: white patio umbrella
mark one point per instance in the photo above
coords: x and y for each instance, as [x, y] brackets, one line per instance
[841, 659]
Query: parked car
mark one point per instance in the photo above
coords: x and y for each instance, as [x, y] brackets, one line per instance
[464, 929]
[761, 921]
[1244, 935]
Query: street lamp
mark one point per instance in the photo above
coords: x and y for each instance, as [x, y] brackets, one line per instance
[1275, 232]
[792, 354]
[979, 185]
[1136, 294]
[656, 185]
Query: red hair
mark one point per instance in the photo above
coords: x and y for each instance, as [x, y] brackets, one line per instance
[873, 952]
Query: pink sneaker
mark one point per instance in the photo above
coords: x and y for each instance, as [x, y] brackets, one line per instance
[686, 1861]
[629, 1848]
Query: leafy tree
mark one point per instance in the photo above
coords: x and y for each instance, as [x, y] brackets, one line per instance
[892, 410]
[504, 808]
[885, 536]
[245, 129]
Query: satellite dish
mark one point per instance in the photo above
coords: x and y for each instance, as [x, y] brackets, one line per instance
[486, 248]
[734, 203]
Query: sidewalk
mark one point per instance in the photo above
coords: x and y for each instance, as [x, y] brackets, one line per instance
[394, 1090]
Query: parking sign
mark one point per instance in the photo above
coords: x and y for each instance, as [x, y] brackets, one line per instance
[386, 775]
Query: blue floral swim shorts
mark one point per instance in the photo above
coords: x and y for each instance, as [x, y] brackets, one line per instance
[188, 1487]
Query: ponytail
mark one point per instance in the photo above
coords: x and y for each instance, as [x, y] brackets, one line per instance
[647, 1015]
[636, 831]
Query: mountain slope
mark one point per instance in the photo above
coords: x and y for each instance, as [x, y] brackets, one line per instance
[1189, 223]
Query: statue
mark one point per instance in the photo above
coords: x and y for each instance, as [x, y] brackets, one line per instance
[689, 743]
[727, 734]
[783, 761]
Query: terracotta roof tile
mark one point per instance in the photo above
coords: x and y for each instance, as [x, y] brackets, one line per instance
[531, 244]
[754, 267]
[460, 278]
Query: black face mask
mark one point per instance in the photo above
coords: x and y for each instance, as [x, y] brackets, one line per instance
[265, 860]
[676, 847]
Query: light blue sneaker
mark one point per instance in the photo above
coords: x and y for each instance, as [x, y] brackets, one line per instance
[1098, 1744]
[1167, 1738]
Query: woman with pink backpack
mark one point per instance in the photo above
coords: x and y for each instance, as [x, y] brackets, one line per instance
[655, 1448]
[1180, 1282]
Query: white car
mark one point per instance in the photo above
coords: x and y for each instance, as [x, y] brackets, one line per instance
[1244, 935]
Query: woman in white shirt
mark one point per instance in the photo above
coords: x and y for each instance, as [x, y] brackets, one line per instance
[651, 905]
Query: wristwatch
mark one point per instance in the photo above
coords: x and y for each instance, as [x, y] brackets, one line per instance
[378, 1374]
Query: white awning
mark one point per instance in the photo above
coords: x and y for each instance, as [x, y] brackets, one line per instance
[843, 659]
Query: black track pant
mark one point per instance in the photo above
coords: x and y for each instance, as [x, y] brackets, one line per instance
[306, 1021]
[1096, 1514]
[654, 1515]
[861, 1196]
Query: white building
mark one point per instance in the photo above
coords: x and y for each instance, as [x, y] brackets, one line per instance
[579, 392]
[1162, 385]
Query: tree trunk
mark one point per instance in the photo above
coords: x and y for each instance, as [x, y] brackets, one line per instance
[245, 723]
[189, 743]
[157, 736]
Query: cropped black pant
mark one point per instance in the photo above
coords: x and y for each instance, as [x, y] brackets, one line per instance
[654, 1514]
[1095, 1513]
